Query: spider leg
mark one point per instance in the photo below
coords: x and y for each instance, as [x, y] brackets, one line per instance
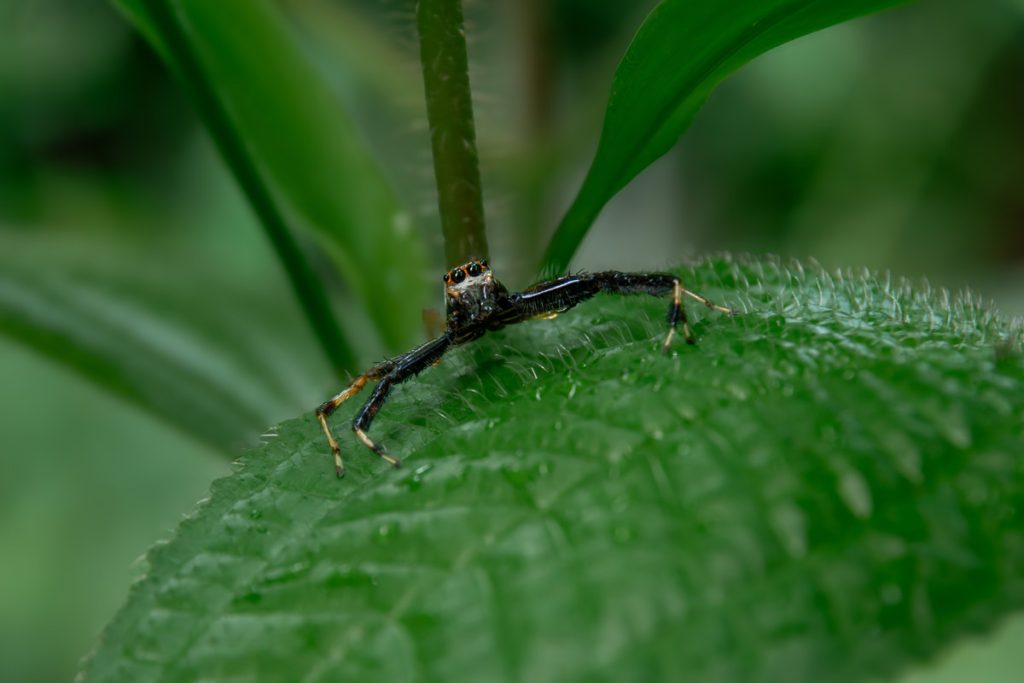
[709, 303]
[565, 292]
[403, 368]
[328, 407]
[677, 316]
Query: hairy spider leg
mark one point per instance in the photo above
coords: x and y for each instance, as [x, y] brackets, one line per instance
[707, 302]
[405, 366]
[565, 292]
[390, 372]
[677, 315]
[328, 407]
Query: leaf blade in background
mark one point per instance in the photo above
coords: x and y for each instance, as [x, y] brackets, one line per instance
[683, 50]
[168, 36]
[823, 488]
[305, 142]
[221, 372]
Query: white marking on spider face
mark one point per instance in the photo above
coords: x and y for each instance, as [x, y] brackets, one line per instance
[471, 283]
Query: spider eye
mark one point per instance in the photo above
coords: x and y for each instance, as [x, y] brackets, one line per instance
[446, 278]
[484, 263]
[473, 269]
[458, 275]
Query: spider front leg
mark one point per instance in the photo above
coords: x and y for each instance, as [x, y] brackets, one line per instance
[390, 373]
[406, 366]
[328, 407]
[365, 417]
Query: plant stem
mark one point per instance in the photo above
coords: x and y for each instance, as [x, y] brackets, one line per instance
[452, 132]
[305, 284]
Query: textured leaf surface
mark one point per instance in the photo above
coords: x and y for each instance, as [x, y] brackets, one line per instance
[683, 50]
[825, 488]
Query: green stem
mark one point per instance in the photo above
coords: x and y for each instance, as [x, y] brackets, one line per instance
[305, 284]
[452, 133]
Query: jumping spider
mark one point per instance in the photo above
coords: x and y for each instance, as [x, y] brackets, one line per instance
[477, 303]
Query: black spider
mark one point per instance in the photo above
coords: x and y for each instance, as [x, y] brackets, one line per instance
[477, 303]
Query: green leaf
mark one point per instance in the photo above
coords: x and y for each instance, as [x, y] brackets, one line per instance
[307, 145]
[220, 372]
[826, 487]
[682, 51]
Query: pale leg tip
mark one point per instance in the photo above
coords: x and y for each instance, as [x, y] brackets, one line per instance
[340, 472]
[666, 346]
[389, 459]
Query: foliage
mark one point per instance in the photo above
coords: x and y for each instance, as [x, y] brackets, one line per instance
[213, 371]
[303, 167]
[824, 488]
[682, 51]
[836, 478]
[264, 103]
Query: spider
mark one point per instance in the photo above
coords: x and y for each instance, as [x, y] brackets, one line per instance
[477, 303]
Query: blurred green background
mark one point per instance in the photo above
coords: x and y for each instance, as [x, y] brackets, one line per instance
[893, 142]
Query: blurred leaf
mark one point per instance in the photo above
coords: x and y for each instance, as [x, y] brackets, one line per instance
[826, 488]
[883, 188]
[301, 137]
[218, 370]
[368, 62]
[682, 51]
[373, 67]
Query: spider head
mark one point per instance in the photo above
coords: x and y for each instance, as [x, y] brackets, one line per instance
[471, 292]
